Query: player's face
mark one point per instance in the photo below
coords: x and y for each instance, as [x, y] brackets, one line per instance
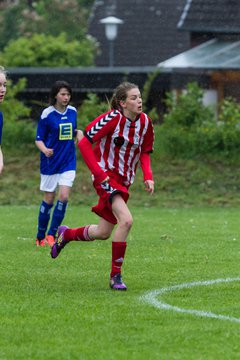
[63, 97]
[132, 106]
[3, 87]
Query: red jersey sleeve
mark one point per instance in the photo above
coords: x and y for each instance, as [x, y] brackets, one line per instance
[146, 166]
[147, 146]
[86, 150]
[96, 130]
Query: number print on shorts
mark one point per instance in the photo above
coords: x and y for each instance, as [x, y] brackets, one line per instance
[65, 131]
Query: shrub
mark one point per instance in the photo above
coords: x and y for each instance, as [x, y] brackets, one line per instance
[187, 109]
[90, 109]
[229, 121]
[190, 129]
[230, 112]
[183, 132]
[19, 130]
[146, 95]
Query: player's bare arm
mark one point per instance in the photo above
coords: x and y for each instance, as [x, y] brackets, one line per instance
[79, 135]
[1, 161]
[41, 146]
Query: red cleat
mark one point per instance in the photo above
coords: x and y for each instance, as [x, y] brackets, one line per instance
[40, 242]
[50, 240]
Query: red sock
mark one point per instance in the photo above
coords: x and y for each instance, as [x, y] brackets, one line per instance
[118, 252]
[79, 234]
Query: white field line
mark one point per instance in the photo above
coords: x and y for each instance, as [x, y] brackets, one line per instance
[24, 238]
[151, 298]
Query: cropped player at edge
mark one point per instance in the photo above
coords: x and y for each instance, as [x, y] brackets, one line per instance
[55, 139]
[3, 89]
[122, 137]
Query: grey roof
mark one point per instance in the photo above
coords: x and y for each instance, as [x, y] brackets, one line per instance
[213, 54]
[216, 16]
[148, 35]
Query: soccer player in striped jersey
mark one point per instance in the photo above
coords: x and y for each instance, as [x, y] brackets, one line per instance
[123, 137]
[55, 139]
[3, 89]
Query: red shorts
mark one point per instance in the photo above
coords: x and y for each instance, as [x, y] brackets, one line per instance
[106, 193]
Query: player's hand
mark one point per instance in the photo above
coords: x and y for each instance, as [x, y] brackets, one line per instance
[48, 152]
[149, 186]
[79, 135]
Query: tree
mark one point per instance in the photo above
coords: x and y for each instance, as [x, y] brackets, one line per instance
[26, 18]
[46, 50]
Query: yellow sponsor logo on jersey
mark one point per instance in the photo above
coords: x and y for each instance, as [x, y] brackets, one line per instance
[65, 131]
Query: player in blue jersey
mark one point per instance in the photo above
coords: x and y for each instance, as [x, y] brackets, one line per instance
[55, 139]
[3, 89]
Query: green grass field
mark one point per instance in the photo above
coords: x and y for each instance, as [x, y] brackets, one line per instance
[64, 309]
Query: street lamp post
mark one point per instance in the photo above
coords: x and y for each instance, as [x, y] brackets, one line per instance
[111, 27]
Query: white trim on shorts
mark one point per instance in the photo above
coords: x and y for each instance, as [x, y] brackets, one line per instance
[49, 183]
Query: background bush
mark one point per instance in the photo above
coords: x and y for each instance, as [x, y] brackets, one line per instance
[191, 130]
[90, 108]
[19, 129]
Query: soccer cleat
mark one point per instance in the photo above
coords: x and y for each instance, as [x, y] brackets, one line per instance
[50, 240]
[60, 242]
[116, 283]
[40, 242]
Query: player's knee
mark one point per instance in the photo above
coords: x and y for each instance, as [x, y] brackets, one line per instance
[127, 223]
[49, 197]
[63, 198]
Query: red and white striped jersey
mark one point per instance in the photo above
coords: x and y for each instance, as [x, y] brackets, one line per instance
[119, 142]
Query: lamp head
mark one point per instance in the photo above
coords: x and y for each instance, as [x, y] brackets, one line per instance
[111, 24]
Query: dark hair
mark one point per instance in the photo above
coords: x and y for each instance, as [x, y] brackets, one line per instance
[56, 88]
[120, 94]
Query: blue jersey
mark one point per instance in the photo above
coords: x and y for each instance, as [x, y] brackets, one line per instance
[57, 130]
[1, 126]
